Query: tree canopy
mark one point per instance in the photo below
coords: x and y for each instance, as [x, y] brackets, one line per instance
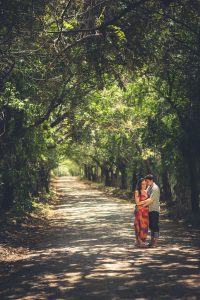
[113, 85]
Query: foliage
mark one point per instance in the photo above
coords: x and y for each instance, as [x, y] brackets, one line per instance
[113, 86]
[67, 168]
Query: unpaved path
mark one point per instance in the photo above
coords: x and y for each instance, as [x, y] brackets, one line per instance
[88, 253]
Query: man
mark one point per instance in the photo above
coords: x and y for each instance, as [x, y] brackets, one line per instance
[153, 201]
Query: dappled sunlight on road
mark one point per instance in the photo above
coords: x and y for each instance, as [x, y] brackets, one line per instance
[88, 253]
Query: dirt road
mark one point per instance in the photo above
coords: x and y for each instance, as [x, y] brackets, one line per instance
[88, 253]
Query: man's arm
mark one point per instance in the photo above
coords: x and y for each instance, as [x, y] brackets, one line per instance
[147, 202]
[152, 198]
[143, 203]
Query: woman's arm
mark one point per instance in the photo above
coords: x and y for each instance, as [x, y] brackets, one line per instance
[144, 202]
[137, 199]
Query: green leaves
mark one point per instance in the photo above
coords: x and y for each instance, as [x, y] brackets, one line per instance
[10, 97]
[119, 33]
[109, 84]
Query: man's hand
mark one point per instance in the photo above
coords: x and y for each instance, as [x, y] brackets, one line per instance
[147, 201]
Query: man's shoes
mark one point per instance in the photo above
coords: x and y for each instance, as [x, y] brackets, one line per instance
[153, 243]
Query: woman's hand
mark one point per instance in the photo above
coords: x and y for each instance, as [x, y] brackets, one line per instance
[143, 203]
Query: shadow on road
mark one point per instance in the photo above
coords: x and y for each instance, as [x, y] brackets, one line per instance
[88, 253]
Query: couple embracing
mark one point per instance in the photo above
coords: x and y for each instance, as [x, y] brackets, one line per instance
[147, 199]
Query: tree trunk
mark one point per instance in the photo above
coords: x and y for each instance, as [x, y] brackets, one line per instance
[47, 182]
[112, 177]
[85, 171]
[107, 177]
[193, 183]
[133, 181]
[123, 176]
[167, 193]
[89, 173]
[102, 174]
[93, 174]
[8, 194]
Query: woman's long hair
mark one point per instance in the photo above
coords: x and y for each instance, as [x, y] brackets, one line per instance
[139, 185]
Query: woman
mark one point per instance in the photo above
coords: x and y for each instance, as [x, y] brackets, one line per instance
[141, 222]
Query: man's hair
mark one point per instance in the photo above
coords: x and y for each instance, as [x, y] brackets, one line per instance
[150, 177]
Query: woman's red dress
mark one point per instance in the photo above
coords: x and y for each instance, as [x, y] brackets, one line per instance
[141, 221]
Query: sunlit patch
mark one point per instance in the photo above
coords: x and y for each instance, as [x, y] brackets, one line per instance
[89, 253]
[191, 281]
